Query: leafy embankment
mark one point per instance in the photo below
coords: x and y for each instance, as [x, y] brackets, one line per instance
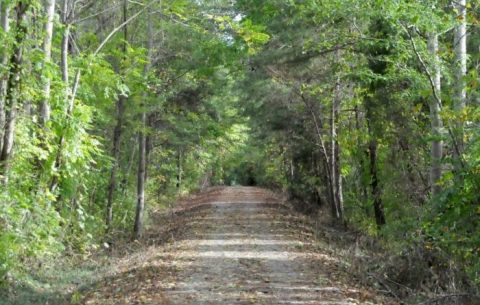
[70, 278]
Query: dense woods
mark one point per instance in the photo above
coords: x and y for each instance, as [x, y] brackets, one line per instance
[369, 110]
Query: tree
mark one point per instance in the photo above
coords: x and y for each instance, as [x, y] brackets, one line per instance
[435, 118]
[142, 142]
[460, 100]
[344, 105]
[12, 97]
[117, 132]
[5, 26]
[47, 49]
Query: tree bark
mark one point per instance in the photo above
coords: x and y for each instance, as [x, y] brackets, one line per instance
[117, 134]
[148, 143]
[333, 163]
[179, 169]
[376, 191]
[68, 98]
[460, 99]
[435, 119]
[362, 185]
[326, 158]
[47, 50]
[64, 49]
[13, 91]
[142, 145]
[335, 155]
[138, 226]
[5, 24]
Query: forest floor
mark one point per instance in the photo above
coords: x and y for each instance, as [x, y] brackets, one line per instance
[232, 245]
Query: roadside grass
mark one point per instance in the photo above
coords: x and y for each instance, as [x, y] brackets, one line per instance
[55, 283]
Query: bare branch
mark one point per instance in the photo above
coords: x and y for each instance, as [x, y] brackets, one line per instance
[118, 28]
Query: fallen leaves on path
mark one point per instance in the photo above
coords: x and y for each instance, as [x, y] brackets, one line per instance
[234, 246]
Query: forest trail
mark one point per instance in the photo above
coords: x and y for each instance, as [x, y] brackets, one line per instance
[245, 247]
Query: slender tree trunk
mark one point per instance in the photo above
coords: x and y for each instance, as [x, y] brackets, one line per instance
[361, 181]
[335, 155]
[376, 191]
[5, 24]
[148, 144]
[435, 119]
[117, 134]
[138, 226]
[47, 50]
[68, 98]
[64, 51]
[13, 91]
[333, 163]
[179, 169]
[326, 159]
[460, 44]
[142, 145]
[123, 186]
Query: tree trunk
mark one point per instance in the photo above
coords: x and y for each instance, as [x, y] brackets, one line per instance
[5, 24]
[47, 50]
[179, 169]
[323, 151]
[148, 144]
[435, 119]
[142, 145]
[117, 133]
[376, 191]
[123, 185]
[333, 163]
[137, 229]
[13, 91]
[362, 185]
[68, 98]
[335, 155]
[140, 181]
[460, 44]
[64, 50]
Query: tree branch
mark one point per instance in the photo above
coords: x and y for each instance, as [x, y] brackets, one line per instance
[434, 89]
[118, 28]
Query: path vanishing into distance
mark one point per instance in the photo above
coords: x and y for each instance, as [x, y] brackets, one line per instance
[238, 245]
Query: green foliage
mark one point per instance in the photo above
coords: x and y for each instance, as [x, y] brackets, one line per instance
[241, 93]
[30, 223]
[377, 51]
[453, 224]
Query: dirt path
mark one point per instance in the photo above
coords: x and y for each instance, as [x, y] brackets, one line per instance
[245, 248]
